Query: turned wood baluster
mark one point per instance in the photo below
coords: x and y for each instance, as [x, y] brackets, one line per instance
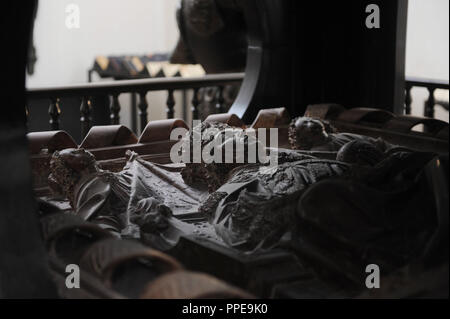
[85, 119]
[170, 105]
[408, 100]
[55, 112]
[220, 100]
[143, 107]
[430, 103]
[115, 109]
[195, 103]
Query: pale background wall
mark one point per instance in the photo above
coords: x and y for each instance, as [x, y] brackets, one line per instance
[427, 48]
[148, 26]
[107, 27]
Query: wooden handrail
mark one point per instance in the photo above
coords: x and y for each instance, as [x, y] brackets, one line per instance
[126, 86]
[425, 82]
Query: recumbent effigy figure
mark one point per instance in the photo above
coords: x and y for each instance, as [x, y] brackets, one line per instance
[141, 199]
[384, 199]
[252, 209]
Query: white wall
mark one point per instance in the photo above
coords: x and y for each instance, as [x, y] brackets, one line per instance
[107, 27]
[427, 51]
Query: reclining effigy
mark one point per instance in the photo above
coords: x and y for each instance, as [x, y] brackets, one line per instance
[338, 202]
[142, 196]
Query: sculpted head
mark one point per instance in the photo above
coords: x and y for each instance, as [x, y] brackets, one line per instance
[67, 168]
[306, 133]
[221, 149]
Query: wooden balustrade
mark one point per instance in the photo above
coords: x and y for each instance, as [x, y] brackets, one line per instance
[140, 87]
[431, 102]
[86, 119]
[171, 85]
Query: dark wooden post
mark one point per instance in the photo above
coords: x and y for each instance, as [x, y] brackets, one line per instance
[143, 107]
[170, 105]
[54, 111]
[85, 119]
[114, 109]
[195, 104]
[408, 100]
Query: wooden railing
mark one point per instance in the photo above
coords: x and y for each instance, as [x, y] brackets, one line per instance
[114, 89]
[431, 86]
[141, 87]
